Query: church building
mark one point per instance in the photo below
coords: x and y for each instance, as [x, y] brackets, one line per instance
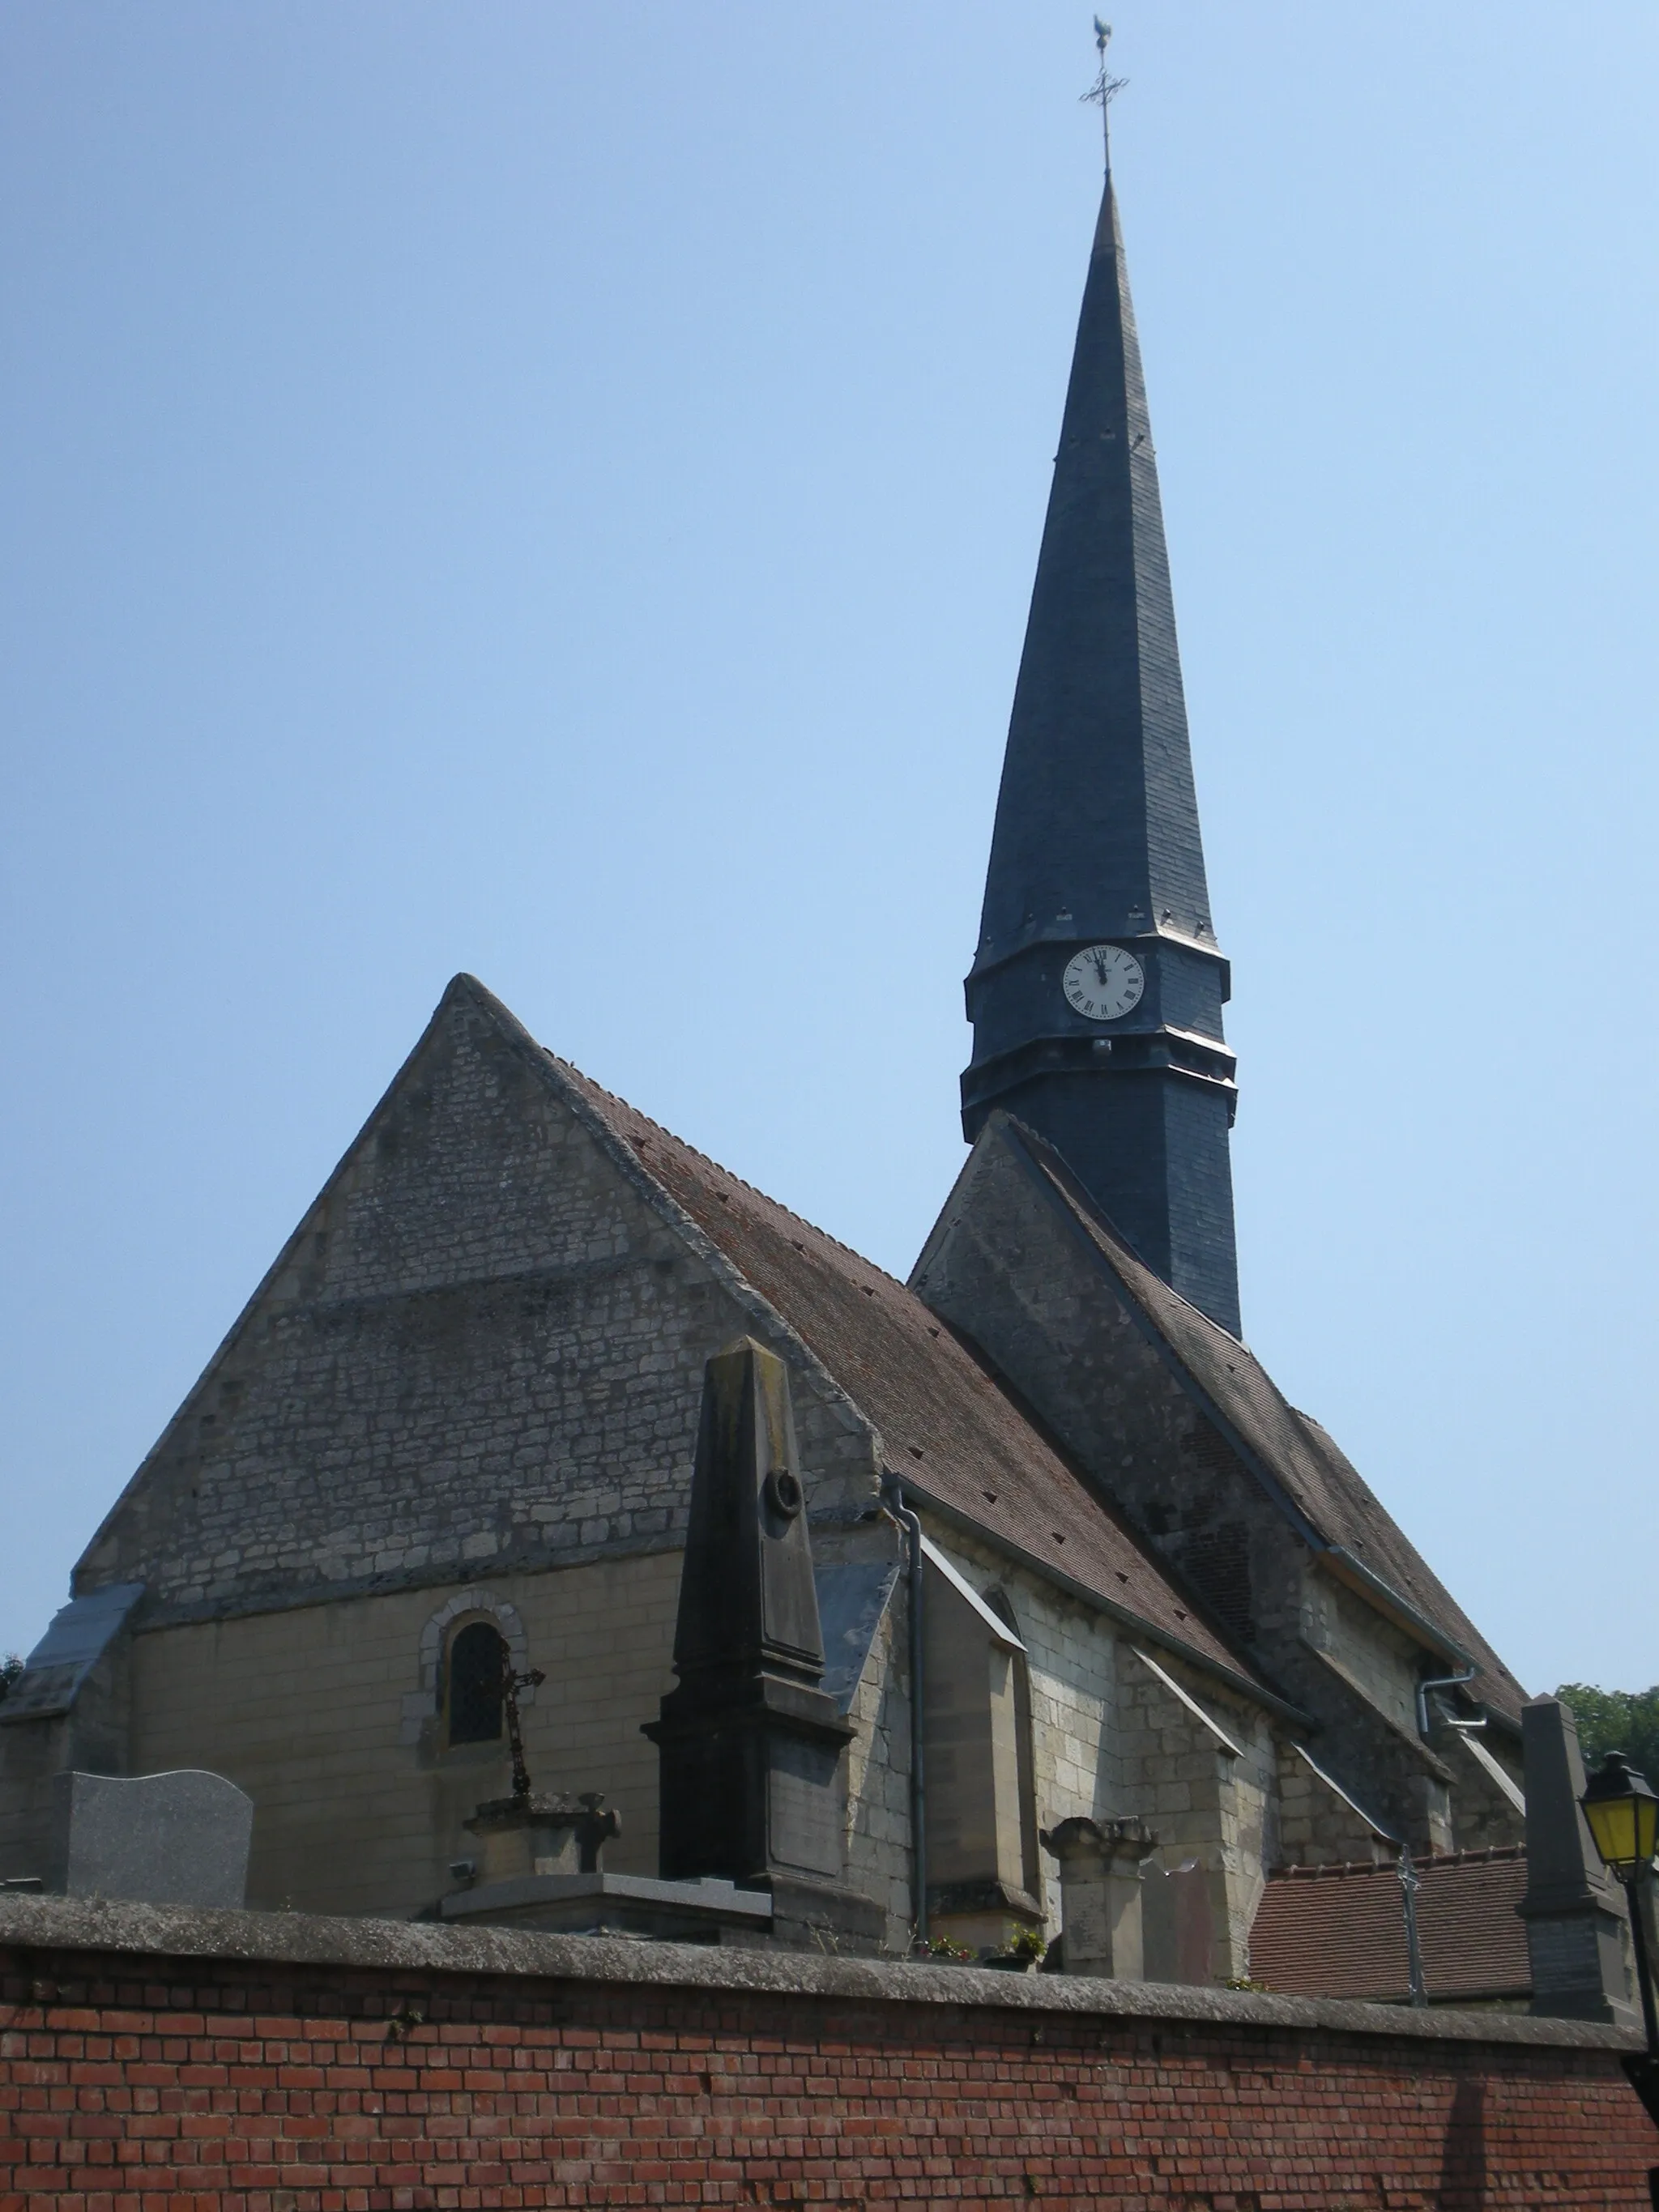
[1080, 1569]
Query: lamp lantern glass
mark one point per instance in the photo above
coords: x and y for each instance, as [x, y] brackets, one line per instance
[1623, 1813]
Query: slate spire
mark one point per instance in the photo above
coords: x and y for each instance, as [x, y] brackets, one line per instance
[1096, 990]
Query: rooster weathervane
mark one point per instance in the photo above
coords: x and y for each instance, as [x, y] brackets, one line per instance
[1106, 86]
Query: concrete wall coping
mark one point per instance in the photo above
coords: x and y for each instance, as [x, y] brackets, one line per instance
[307, 1940]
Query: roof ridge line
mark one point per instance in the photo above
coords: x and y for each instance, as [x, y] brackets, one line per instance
[575, 1087]
[1338, 1870]
[731, 1174]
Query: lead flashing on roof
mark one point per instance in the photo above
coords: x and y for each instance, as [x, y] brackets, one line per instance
[76, 1639]
[1338, 1560]
[997, 1627]
[1186, 1698]
[1383, 1834]
[1095, 1601]
[1507, 1784]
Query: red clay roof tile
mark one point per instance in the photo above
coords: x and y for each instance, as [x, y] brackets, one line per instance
[1339, 1931]
[955, 1434]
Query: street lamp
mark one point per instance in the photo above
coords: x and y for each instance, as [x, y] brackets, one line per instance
[1623, 1813]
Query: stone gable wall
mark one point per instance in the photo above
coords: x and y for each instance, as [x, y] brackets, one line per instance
[1379, 1659]
[1317, 1826]
[1484, 1815]
[483, 1350]
[283, 2067]
[1215, 1812]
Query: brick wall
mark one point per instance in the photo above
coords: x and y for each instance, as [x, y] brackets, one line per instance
[152, 2059]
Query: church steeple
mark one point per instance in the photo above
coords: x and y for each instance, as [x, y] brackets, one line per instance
[1097, 991]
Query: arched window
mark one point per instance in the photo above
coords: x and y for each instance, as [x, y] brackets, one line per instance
[474, 1664]
[429, 1717]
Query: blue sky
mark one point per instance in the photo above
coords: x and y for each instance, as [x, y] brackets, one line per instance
[553, 490]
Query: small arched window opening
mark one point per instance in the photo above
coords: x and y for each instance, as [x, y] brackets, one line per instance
[474, 1671]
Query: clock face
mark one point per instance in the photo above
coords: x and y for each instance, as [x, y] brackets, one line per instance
[1105, 981]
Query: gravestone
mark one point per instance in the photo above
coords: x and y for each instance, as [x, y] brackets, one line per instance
[533, 1835]
[1100, 1894]
[751, 1748]
[179, 1839]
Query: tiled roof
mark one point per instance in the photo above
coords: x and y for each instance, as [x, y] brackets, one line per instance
[1339, 1931]
[1321, 1484]
[950, 1431]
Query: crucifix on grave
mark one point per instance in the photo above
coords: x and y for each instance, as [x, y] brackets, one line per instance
[512, 1683]
[525, 1834]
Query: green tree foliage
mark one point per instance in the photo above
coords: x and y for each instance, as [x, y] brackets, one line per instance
[10, 1668]
[1616, 1720]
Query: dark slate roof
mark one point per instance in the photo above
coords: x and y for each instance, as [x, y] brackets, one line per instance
[950, 1432]
[1096, 823]
[1339, 1931]
[1318, 1483]
[79, 1635]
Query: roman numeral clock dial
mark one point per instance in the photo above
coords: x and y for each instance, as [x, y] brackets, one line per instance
[1105, 982]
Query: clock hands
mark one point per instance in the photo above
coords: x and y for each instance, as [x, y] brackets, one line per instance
[1104, 981]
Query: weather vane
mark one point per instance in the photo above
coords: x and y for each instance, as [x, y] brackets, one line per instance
[1106, 86]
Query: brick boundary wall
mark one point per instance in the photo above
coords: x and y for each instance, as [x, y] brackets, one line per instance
[157, 2059]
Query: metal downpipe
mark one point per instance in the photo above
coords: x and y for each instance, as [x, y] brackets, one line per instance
[912, 1527]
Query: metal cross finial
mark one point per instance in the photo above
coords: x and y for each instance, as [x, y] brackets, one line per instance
[1106, 86]
[1409, 1885]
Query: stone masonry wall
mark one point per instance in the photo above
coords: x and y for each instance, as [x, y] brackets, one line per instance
[1004, 1267]
[354, 1810]
[326, 1716]
[1376, 1658]
[1317, 1826]
[1206, 1803]
[878, 1859]
[1075, 1764]
[1110, 1740]
[225, 2063]
[93, 1736]
[482, 1349]
[476, 1368]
